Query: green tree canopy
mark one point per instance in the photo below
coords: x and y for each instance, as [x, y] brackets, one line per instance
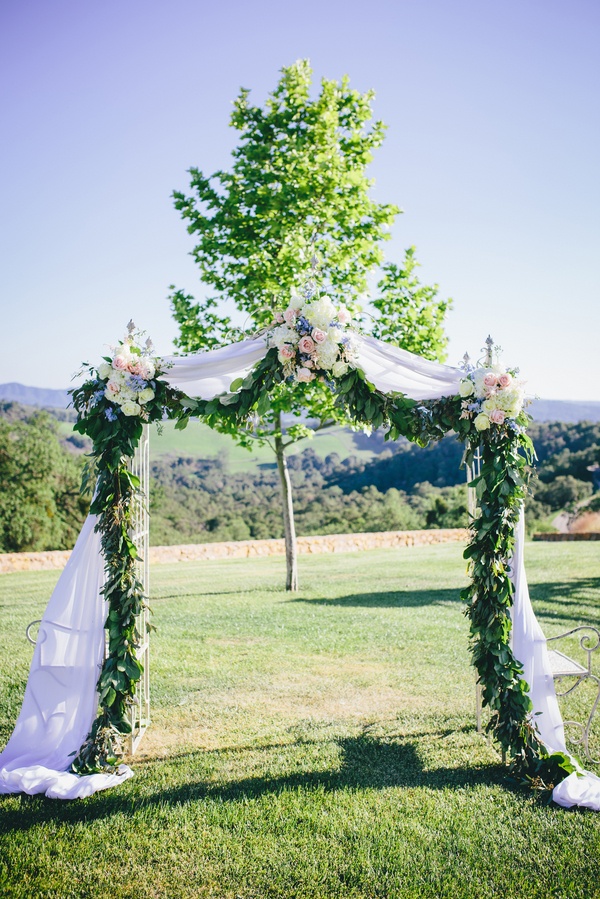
[40, 503]
[296, 197]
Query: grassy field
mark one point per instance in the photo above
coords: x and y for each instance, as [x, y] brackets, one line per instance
[315, 746]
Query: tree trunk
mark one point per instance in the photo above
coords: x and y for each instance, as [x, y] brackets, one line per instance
[291, 554]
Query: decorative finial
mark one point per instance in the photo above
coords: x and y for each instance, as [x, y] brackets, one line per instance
[131, 327]
[489, 346]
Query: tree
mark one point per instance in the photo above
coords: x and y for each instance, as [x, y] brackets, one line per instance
[40, 503]
[410, 314]
[297, 192]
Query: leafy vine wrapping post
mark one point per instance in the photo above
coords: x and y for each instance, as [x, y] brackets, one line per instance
[123, 393]
[298, 189]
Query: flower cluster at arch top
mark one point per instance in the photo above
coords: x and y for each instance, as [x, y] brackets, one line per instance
[490, 396]
[313, 338]
[127, 376]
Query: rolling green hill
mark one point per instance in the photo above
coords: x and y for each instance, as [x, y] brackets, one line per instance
[198, 440]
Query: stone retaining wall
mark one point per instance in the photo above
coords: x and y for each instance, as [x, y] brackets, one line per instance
[559, 538]
[245, 549]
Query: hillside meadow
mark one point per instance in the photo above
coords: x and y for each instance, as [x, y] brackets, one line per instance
[316, 745]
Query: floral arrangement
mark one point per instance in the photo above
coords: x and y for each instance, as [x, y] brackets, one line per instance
[125, 378]
[312, 338]
[491, 396]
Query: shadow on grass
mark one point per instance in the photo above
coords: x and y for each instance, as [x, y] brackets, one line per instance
[367, 763]
[401, 599]
[563, 601]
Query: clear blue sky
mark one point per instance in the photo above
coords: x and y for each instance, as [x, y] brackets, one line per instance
[492, 151]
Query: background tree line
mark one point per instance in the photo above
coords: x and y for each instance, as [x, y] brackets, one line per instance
[201, 500]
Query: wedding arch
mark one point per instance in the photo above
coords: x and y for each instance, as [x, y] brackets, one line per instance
[68, 739]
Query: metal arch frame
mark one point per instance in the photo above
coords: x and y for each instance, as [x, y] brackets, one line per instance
[139, 711]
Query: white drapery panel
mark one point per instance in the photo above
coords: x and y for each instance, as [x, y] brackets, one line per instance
[206, 375]
[393, 370]
[61, 699]
[390, 369]
[529, 647]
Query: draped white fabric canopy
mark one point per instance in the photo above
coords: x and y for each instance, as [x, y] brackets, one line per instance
[390, 369]
[60, 701]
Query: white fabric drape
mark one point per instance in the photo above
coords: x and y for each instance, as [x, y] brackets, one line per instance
[529, 647]
[393, 370]
[390, 369]
[61, 700]
[206, 375]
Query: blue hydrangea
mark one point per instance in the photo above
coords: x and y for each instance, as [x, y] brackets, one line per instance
[135, 382]
[303, 326]
[96, 397]
[110, 413]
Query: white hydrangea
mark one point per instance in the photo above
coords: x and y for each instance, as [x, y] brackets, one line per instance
[320, 313]
[283, 334]
[327, 355]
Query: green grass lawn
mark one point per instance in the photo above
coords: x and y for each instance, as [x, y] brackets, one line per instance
[320, 745]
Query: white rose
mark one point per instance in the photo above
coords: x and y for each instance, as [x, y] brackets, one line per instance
[296, 302]
[105, 370]
[131, 408]
[304, 374]
[466, 388]
[482, 422]
[145, 395]
[339, 369]
[489, 405]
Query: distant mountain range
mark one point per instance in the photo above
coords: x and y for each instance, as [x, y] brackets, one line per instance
[34, 396]
[542, 410]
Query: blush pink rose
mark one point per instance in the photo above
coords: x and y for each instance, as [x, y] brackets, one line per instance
[279, 318]
[121, 363]
[290, 316]
[286, 352]
[318, 336]
[490, 379]
[306, 345]
[497, 416]
[343, 315]
[304, 374]
[113, 386]
[505, 380]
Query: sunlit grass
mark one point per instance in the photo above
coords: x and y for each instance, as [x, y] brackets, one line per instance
[318, 745]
